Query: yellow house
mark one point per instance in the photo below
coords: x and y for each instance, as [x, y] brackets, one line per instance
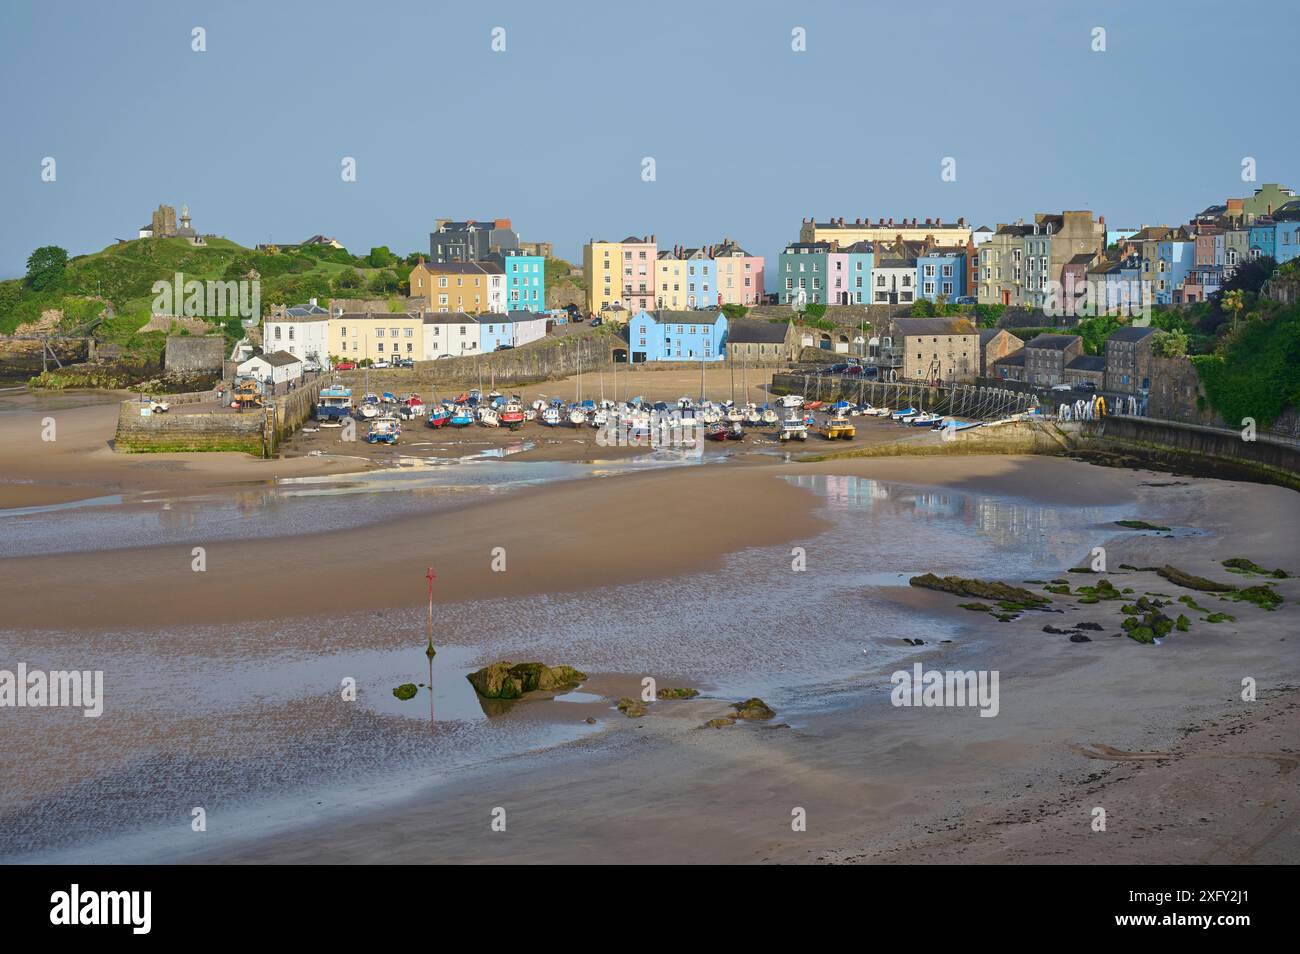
[602, 266]
[670, 281]
[376, 335]
[471, 287]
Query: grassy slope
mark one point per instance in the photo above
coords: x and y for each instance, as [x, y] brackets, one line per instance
[123, 275]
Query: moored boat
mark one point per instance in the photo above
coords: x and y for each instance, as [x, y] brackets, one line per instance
[838, 428]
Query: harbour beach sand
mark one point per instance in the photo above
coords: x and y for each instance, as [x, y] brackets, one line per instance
[1157, 735]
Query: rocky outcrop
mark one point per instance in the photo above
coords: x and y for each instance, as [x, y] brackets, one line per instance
[980, 589]
[667, 693]
[632, 708]
[507, 680]
[1191, 581]
[753, 709]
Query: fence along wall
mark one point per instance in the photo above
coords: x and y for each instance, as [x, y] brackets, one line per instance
[982, 403]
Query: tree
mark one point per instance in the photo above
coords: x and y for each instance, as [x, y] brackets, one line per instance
[734, 312]
[45, 267]
[1233, 302]
[380, 257]
[349, 280]
[1170, 344]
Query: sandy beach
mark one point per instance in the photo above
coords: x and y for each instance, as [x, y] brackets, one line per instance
[1156, 735]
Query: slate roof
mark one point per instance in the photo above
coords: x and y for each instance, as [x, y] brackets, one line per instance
[1053, 342]
[1130, 333]
[910, 327]
[278, 358]
[448, 318]
[1087, 362]
[749, 331]
[1015, 360]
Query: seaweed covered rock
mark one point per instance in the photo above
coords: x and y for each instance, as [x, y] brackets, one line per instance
[1193, 582]
[667, 693]
[1245, 567]
[507, 680]
[980, 589]
[1262, 596]
[718, 723]
[1140, 525]
[753, 709]
[1103, 590]
[632, 708]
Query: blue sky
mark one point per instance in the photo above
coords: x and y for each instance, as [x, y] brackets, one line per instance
[251, 133]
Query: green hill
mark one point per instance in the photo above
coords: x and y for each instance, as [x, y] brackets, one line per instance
[123, 276]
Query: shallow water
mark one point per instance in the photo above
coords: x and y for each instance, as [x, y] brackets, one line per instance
[290, 506]
[259, 730]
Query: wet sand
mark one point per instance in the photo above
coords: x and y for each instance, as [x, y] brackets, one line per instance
[1157, 735]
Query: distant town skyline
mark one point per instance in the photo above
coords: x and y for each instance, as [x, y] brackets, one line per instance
[550, 122]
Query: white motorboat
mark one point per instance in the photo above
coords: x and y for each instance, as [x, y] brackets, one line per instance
[487, 416]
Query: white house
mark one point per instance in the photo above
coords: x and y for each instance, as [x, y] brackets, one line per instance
[277, 367]
[528, 326]
[450, 333]
[302, 331]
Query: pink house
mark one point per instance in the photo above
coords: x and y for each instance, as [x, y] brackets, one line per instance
[639, 256]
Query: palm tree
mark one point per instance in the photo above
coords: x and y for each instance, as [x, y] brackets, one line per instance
[1234, 302]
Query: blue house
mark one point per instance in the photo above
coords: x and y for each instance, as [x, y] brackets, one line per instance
[1277, 235]
[861, 255]
[940, 274]
[698, 335]
[525, 279]
[701, 279]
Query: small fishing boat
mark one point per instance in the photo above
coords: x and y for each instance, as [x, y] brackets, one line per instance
[838, 428]
[599, 417]
[793, 429]
[388, 397]
[956, 424]
[717, 432]
[791, 400]
[333, 403]
[384, 430]
[461, 416]
[512, 415]
[904, 414]
[812, 405]
[487, 416]
[551, 417]
[439, 417]
[752, 415]
[577, 417]
[736, 432]
[926, 419]
[769, 416]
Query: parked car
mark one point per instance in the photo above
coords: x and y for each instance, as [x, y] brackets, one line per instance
[381, 363]
[446, 356]
[595, 322]
[1062, 387]
[964, 300]
[1087, 386]
[310, 366]
[505, 347]
[345, 366]
[403, 363]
